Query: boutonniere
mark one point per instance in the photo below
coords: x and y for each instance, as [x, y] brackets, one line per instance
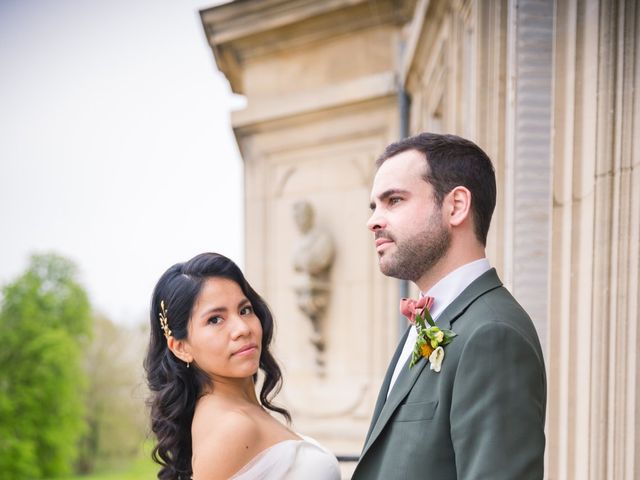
[431, 338]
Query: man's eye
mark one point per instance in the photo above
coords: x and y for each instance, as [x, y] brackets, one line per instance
[215, 320]
[248, 310]
[394, 200]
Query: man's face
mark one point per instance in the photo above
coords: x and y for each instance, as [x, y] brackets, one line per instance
[411, 235]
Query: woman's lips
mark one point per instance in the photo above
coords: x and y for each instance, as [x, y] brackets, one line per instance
[246, 350]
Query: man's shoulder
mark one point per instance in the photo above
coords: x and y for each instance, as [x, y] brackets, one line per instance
[498, 315]
[497, 308]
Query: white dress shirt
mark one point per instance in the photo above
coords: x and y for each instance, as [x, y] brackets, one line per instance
[444, 293]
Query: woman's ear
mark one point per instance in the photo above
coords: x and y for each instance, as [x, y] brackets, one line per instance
[180, 348]
[459, 202]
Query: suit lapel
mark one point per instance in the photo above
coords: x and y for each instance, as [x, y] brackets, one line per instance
[484, 283]
[384, 409]
[382, 396]
[400, 389]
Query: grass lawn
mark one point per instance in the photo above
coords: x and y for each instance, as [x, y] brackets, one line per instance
[141, 468]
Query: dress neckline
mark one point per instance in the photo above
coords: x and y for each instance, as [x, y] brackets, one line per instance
[270, 448]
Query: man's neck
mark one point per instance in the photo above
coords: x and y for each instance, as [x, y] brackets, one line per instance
[446, 265]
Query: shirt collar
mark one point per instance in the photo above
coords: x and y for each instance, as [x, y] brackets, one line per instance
[448, 288]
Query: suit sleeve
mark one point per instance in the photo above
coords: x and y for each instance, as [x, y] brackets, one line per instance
[498, 406]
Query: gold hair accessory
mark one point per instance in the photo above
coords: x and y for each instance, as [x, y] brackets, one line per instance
[164, 321]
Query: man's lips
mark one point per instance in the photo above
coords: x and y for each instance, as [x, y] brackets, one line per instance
[380, 242]
[246, 350]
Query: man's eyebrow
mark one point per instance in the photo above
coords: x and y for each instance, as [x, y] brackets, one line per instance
[386, 194]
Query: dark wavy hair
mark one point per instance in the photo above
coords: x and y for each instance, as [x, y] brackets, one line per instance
[174, 387]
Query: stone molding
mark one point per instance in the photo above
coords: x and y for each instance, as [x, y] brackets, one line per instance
[267, 109]
[241, 31]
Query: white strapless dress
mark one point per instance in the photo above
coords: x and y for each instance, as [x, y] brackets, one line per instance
[302, 459]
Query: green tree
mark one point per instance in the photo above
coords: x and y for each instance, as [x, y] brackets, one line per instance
[45, 324]
[116, 413]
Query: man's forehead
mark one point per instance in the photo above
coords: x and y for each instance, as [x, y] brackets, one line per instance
[399, 172]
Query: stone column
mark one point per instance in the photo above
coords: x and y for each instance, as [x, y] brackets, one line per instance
[594, 364]
[527, 185]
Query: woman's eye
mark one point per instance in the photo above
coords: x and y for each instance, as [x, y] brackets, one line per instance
[215, 320]
[248, 310]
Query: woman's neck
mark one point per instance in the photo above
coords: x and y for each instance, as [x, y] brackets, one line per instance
[235, 389]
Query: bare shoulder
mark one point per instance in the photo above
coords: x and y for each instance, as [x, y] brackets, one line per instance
[223, 442]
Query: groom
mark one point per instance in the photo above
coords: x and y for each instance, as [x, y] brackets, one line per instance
[477, 412]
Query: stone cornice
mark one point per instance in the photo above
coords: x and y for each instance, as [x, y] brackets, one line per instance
[274, 108]
[243, 30]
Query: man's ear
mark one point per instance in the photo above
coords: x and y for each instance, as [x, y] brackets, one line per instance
[459, 205]
[180, 348]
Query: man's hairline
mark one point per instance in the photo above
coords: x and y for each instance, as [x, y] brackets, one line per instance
[427, 166]
[425, 176]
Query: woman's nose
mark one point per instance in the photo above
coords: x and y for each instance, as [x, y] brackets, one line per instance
[239, 327]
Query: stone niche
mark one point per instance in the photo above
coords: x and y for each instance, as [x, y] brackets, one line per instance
[321, 89]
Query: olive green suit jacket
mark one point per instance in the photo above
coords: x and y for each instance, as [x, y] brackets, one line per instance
[482, 416]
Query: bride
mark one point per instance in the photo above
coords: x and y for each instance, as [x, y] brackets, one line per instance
[210, 333]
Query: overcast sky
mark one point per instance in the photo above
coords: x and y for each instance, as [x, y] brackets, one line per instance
[115, 144]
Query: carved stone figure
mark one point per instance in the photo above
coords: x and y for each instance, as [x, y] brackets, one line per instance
[312, 260]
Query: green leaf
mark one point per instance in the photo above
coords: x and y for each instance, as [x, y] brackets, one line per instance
[427, 317]
[415, 357]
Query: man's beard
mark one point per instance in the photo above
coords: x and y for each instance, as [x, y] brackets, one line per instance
[419, 253]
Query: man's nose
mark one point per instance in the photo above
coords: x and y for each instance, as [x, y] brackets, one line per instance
[375, 222]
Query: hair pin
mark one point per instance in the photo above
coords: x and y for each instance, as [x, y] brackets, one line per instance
[164, 320]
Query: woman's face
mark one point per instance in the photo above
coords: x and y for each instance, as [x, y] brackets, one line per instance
[224, 334]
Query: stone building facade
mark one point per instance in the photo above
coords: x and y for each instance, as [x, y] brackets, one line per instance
[548, 89]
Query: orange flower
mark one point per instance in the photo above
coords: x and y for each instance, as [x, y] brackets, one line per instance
[426, 350]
